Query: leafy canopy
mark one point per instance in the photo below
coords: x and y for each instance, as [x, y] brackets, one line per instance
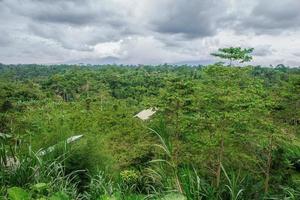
[235, 54]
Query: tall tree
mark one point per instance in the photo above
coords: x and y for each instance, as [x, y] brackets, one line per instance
[234, 54]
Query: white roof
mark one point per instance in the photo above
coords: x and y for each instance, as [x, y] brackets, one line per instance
[146, 114]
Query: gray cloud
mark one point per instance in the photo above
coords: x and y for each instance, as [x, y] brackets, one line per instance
[148, 31]
[69, 12]
[297, 54]
[5, 39]
[265, 50]
[272, 17]
[191, 18]
[75, 25]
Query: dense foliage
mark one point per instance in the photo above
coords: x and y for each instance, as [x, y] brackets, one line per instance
[234, 54]
[219, 132]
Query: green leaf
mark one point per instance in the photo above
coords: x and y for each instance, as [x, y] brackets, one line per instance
[40, 186]
[59, 196]
[174, 196]
[16, 193]
[105, 197]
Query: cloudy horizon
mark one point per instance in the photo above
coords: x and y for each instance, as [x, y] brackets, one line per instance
[147, 32]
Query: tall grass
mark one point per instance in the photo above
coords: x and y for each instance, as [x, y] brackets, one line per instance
[32, 169]
[184, 180]
[163, 178]
[169, 161]
[233, 184]
[194, 187]
[100, 186]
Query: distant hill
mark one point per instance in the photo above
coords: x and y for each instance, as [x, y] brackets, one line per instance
[96, 61]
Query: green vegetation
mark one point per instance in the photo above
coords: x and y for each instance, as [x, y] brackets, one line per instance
[219, 132]
[235, 54]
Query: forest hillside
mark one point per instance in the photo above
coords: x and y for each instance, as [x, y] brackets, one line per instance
[216, 132]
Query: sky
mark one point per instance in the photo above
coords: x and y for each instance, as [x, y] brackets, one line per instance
[147, 31]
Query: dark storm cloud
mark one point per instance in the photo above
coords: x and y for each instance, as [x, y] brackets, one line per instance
[65, 17]
[191, 18]
[66, 12]
[272, 17]
[73, 24]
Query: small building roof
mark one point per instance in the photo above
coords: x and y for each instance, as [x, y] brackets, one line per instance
[146, 114]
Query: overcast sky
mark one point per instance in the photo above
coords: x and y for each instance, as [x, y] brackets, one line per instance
[147, 31]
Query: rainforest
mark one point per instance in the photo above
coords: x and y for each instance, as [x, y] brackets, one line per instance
[210, 132]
